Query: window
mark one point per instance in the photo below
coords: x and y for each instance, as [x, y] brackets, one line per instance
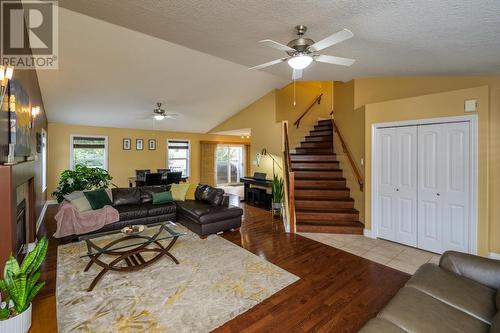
[178, 156]
[230, 162]
[91, 151]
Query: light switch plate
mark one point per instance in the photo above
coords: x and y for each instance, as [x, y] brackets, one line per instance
[470, 105]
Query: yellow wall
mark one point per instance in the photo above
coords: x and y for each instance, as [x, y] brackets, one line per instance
[445, 104]
[123, 163]
[260, 117]
[305, 94]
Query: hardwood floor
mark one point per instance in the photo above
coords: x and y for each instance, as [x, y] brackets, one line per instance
[337, 291]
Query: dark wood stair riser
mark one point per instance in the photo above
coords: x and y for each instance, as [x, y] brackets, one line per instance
[324, 122]
[318, 174]
[325, 138]
[326, 184]
[326, 216]
[323, 127]
[355, 230]
[328, 144]
[323, 204]
[325, 151]
[322, 194]
[315, 166]
[313, 158]
[321, 133]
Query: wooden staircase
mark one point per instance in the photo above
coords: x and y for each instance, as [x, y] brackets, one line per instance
[322, 199]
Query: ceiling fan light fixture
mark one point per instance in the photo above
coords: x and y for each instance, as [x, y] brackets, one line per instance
[300, 61]
[159, 116]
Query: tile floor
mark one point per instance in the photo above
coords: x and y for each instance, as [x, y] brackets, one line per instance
[397, 256]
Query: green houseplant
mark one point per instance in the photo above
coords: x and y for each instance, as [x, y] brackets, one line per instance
[19, 286]
[278, 186]
[80, 179]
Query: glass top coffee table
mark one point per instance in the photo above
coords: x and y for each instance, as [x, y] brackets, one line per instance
[130, 250]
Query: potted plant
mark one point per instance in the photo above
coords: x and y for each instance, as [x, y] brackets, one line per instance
[80, 179]
[278, 186]
[19, 286]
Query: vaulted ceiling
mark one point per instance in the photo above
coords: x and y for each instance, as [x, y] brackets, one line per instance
[121, 56]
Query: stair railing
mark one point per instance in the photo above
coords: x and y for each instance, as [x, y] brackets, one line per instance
[317, 100]
[289, 178]
[346, 150]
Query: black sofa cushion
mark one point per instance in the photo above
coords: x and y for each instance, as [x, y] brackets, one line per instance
[148, 191]
[126, 196]
[205, 213]
[155, 210]
[131, 212]
[211, 195]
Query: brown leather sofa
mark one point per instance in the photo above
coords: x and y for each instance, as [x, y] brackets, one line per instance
[459, 295]
[208, 214]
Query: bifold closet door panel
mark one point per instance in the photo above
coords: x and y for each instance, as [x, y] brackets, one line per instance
[386, 147]
[456, 188]
[397, 184]
[444, 187]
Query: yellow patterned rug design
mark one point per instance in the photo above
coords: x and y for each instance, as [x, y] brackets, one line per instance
[214, 282]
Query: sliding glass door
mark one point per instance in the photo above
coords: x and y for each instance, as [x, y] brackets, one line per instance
[230, 164]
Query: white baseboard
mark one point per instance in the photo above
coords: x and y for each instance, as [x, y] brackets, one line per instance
[368, 233]
[494, 255]
[42, 213]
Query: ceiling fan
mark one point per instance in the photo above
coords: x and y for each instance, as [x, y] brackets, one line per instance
[302, 51]
[160, 114]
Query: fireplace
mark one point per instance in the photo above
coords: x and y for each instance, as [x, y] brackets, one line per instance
[21, 228]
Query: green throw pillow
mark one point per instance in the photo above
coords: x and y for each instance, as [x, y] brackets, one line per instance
[179, 191]
[162, 198]
[97, 198]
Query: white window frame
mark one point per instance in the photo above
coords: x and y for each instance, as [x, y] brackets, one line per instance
[45, 143]
[72, 155]
[188, 172]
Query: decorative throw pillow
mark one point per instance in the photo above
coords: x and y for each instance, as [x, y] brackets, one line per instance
[179, 191]
[74, 195]
[214, 196]
[97, 198]
[81, 203]
[190, 194]
[161, 198]
[200, 192]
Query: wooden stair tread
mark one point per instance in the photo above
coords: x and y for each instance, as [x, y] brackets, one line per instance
[337, 223]
[328, 210]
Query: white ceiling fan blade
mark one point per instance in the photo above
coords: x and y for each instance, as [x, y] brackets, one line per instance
[335, 60]
[171, 115]
[296, 74]
[267, 64]
[276, 45]
[336, 38]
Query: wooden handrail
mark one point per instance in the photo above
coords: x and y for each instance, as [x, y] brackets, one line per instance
[317, 100]
[354, 167]
[290, 180]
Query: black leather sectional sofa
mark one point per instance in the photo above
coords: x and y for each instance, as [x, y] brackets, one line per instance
[208, 214]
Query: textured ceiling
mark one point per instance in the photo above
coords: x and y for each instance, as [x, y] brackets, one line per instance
[112, 76]
[392, 37]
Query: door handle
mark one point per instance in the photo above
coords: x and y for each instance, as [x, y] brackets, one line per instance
[438, 194]
[397, 190]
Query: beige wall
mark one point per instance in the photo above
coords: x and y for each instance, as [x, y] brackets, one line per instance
[373, 90]
[123, 163]
[445, 104]
[260, 117]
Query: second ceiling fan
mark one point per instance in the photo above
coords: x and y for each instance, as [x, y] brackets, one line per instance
[302, 51]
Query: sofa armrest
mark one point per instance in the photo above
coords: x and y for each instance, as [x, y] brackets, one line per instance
[482, 270]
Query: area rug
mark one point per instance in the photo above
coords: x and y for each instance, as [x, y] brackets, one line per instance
[215, 281]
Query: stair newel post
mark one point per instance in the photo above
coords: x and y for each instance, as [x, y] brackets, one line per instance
[291, 200]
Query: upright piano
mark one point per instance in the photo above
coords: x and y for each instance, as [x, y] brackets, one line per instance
[259, 181]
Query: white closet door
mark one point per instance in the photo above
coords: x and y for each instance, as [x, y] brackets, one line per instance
[429, 212]
[397, 184]
[386, 182]
[456, 188]
[444, 189]
[406, 185]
